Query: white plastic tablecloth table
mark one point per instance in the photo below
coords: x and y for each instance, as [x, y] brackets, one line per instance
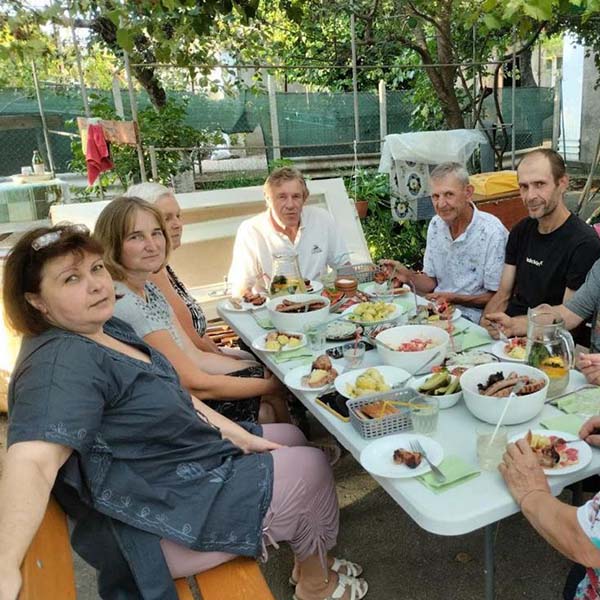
[477, 503]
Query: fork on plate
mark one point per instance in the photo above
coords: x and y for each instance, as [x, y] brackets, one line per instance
[415, 446]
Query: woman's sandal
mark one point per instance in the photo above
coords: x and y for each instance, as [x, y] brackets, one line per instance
[351, 569]
[358, 589]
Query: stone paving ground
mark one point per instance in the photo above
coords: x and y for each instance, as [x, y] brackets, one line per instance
[404, 562]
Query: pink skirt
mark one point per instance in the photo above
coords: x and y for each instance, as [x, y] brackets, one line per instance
[303, 511]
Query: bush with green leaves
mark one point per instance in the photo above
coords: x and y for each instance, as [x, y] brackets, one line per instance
[386, 238]
[164, 128]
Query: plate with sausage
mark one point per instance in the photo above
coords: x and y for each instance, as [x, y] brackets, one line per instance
[391, 456]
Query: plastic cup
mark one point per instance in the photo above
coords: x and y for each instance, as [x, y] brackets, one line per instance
[315, 337]
[424, 413]
[490, 456]
[354, 354]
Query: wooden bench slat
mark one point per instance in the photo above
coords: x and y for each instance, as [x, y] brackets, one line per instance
[47, 569]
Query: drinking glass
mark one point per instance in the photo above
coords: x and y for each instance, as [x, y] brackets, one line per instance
[424, 412]
[354, 354]
[490, 456]
[315, 337]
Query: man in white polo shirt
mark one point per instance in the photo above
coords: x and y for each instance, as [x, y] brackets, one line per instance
[287, 226]
[465, 248]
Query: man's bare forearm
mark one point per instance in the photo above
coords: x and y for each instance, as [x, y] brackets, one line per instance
[475, 300]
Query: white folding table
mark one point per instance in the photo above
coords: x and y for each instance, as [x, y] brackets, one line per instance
[477, 503]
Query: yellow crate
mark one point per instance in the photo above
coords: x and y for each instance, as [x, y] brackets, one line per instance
[490, 184]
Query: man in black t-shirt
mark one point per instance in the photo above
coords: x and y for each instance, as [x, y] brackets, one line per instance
[550, 252]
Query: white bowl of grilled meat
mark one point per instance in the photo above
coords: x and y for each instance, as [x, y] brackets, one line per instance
[485, 392]
[296, 311]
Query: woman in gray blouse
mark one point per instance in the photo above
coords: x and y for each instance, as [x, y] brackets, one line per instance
[134, 236]
[187, 310]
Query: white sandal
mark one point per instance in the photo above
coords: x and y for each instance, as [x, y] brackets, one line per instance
[352, 569]
[358, 589]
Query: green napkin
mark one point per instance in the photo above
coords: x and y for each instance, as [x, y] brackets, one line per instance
[567, 423]
[264, 321]
[455, 469]
[297, 354]
[475, 338]
[583, 401]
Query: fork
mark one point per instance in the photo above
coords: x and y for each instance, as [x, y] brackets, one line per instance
[415, 446]
[503, 337]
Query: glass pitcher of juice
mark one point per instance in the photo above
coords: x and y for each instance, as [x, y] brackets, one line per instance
[550, 346]
[286, 278]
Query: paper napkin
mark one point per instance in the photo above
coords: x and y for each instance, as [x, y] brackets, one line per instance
[455, 469]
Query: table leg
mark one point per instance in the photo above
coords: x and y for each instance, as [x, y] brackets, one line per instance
[489, 561]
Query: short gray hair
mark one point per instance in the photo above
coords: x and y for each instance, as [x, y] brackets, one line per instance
[150, 192]
[450, 168]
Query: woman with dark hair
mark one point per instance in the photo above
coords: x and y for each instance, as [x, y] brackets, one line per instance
[159, 485]
[134, 236]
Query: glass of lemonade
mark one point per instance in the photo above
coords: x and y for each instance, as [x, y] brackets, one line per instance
[424, 412]
[315, 337]
[490, 455]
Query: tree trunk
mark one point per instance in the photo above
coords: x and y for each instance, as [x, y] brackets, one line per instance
[146, 76]
[527, 77]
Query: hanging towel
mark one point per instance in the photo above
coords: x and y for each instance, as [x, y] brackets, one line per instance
[97, 154]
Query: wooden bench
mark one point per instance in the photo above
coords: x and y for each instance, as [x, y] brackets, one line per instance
[48, 572]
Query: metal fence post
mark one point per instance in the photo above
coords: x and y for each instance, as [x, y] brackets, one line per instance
[42, 116]
[274, 118]
[354, 78]
[382, 112]
[153, 163]
[557, 110]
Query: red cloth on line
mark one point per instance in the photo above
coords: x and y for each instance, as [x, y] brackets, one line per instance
[97, 154]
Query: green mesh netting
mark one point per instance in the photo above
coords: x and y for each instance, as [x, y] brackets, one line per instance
[310, 124]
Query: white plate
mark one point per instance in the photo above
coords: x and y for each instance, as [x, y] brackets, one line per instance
[391, 375]
[259, 343]
[317, 287]
[457, 314]
[377, 457]
[342, 326]
[226, 305]
[293, 379]
[498, 349]
[381, 289]
[392, 316]
[585, 452]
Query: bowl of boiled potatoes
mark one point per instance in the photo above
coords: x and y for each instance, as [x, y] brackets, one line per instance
[279, 341]
[372, 313]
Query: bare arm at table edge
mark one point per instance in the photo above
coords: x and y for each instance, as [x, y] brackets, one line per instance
[233, 432]
[30, 469]
[203, 385]
[476, 300]
[557, 523]
[424, 284]
[517, 326]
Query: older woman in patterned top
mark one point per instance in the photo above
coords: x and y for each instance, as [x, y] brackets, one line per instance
[184, 305]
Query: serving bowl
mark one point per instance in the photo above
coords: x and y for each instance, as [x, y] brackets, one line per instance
[489, 408]
[446, 400]
[412, 361]
[297, 321]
